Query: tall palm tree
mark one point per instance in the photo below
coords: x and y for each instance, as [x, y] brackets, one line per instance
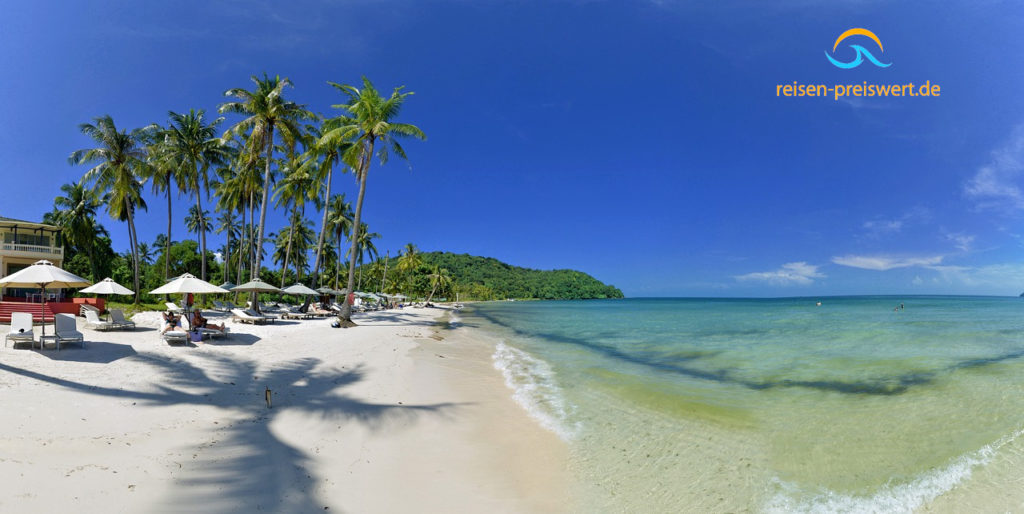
[439, 278]
[196, 222]
[324, 156]
[75, 213]
[163, 176]
[340, 222]
[145, 254]
[226, 225]
[192, 146]
[265, 111]
[294, 190]
[366, 249]
[118, 160]
[409, 262]
[369, 121]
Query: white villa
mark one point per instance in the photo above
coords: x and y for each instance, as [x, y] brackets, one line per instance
[24, 242]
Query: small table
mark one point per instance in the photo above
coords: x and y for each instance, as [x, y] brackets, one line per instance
[44, 339]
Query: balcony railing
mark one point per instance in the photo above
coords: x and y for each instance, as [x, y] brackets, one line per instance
[35, 249]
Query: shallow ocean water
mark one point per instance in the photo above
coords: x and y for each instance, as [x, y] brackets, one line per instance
[775, 405]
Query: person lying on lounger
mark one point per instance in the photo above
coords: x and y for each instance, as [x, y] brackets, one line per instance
[198, 321]
[171, 321]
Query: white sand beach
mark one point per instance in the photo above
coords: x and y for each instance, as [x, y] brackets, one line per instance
[396, 415]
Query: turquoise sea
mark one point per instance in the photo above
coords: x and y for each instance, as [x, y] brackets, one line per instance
[775, 405]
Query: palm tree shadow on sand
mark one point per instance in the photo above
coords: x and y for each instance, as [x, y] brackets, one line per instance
[243, 466]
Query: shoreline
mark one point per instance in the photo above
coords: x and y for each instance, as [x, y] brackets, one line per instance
[398, 414]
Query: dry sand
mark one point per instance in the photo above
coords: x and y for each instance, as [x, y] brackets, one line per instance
[396, 415]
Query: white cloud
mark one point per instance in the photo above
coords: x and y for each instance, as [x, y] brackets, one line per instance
[883, 226]
[790, 273]
[995, 185]
[961, 240]
[885, 262]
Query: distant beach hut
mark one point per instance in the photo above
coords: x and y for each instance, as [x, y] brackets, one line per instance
[43, 274]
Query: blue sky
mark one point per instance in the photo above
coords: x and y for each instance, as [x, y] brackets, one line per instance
[639, 141]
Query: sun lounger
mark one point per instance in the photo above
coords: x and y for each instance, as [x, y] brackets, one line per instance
[117, 317]
[246, 317]
[86, 308]
[67, 330]
[296, 313]
[21, 329]
[268, 317]
[175, 336]
[93, 321]
[171, 306]
[205, 331]
[219, 306]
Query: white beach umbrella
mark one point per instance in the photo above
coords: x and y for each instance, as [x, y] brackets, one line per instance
[188, 283]
[43, 274]
[258, 286]
[107, 286]
[299, 289]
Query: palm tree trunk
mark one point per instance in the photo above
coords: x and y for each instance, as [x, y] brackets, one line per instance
[263, 209]
[346, 308]
[227, 250]
[167, 244]
[323, 228]
[202, 232]
[135, 249]
[288, 249]
[337, 265]
[387, 257]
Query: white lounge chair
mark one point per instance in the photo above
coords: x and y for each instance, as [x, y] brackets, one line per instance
[21, 329]
[205, 331]
[175, 336]
[246, 317]
[67, 330]
[86, 308]
[218, 305]
[265, 316]
[117, 317]
[171, 306]
[94, 322]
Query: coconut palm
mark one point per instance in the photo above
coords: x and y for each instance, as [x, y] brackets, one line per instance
[164, 178]
[145, 254]
[295, 189]
[265, 111]
[75, 213]
[369, 122]
[196, 222]
[323, 156]
[340, 222]
[366, 248]
[227, 225]
[192, 146]
[439, 279]
[119, 162]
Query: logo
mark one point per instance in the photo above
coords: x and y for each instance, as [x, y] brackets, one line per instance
[862, 53]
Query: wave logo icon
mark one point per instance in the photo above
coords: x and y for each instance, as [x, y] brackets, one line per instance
[862, 53]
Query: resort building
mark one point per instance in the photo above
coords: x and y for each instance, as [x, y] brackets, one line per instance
[22, 243]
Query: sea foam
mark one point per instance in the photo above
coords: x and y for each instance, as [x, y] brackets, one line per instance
[534, 388]
[904, 497]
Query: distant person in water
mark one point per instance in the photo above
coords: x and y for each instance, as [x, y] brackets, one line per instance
[902, 307]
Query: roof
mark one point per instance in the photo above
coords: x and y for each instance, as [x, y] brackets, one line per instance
[4, 221]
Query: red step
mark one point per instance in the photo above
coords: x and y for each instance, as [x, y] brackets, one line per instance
[35, 309]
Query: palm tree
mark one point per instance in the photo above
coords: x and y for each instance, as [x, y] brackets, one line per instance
[410, 261]
[439, 278]
[226, 225]
[192, 146]
[340, 222]
[118, 161]
[369, 121]
[366, 249]
[297, 187]
[265, 111]
[163, 174]
[75, 213]
[145, 254]
[324, 155]
[196, 222]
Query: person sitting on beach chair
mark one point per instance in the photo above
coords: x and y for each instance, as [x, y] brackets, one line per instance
[198, 321]
[171, 321]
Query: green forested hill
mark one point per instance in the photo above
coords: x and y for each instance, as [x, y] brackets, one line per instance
[486, 278]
